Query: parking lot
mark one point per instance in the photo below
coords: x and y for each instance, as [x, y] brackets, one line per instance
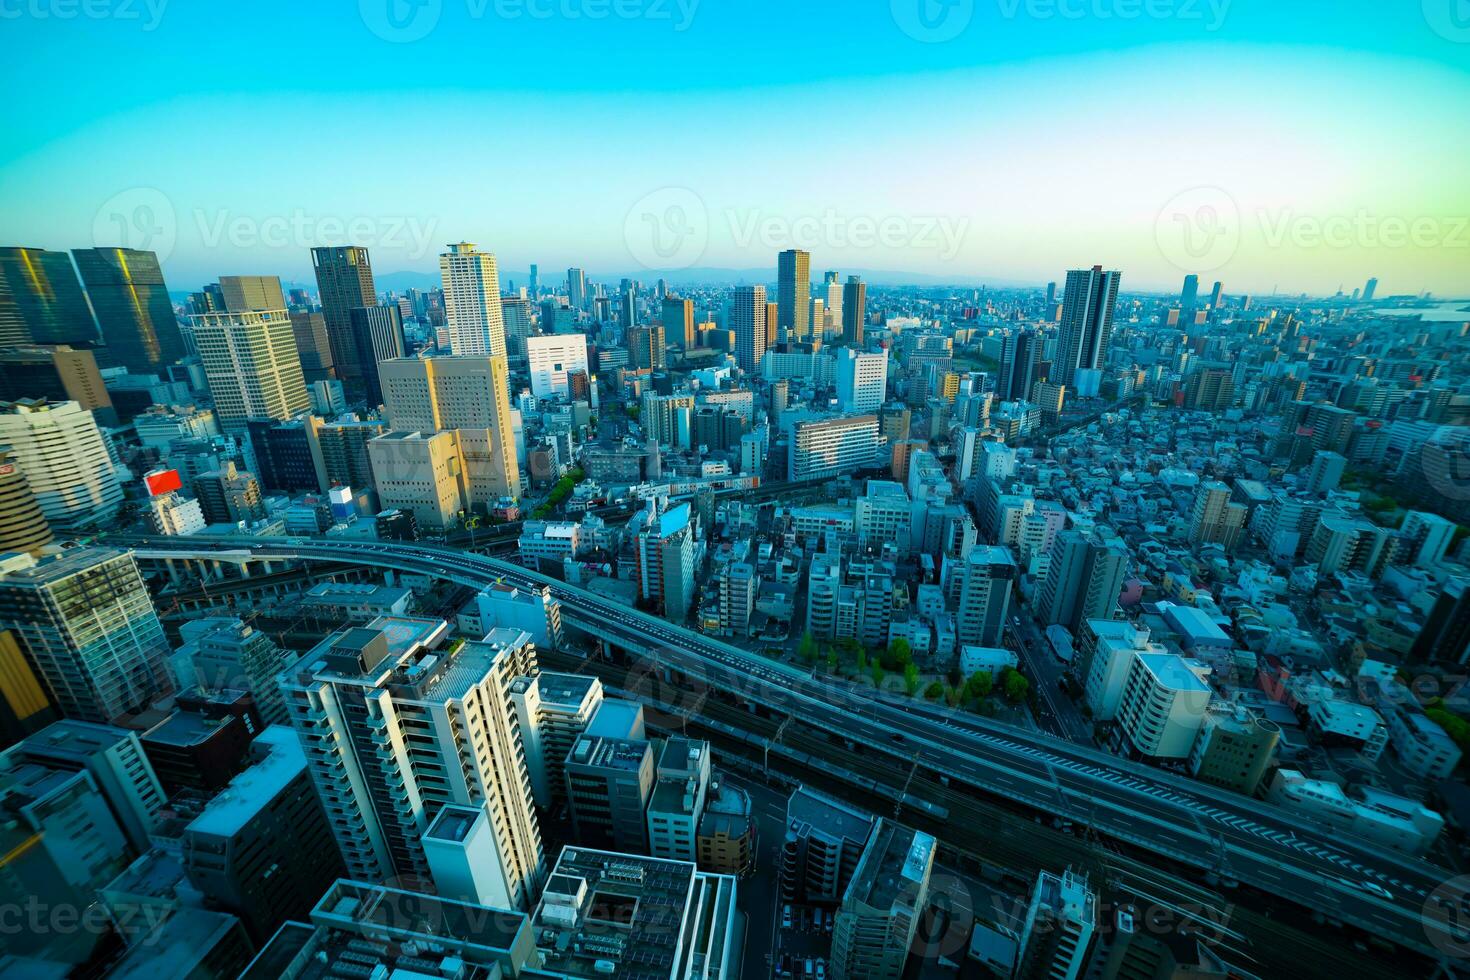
[803, 941]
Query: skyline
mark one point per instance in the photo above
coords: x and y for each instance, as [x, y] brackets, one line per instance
[1326, 150]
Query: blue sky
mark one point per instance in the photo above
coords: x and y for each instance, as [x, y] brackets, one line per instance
[999, 140]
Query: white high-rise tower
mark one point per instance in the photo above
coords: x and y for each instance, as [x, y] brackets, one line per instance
[472, 301]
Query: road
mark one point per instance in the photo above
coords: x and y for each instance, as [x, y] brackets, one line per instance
[1057, 712]
[1343, 878]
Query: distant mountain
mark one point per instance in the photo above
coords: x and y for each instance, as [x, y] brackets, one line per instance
[700, 276]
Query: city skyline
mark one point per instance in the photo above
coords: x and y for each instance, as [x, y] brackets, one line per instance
[1194, 121]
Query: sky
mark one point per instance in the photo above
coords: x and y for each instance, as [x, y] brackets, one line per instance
[1276, 145]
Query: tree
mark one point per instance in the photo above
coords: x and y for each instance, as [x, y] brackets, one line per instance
[832, 660]
[934, 691]
[980, 684]
[807, 648]
[862, 659]
[1455, 727]
[1015, 685]
[900, 654]
[911, 678]
[877, 673]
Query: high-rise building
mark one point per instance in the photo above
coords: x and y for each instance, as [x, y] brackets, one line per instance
[577, 289]
[646, 348]
[396, 726]
[251, 294]
[1059, 928]
[987, 575]
[1215, 291]
[22, 525]
[1370, 290]
[1427, 538]
[880, 913]
[854, 311]
[827, 447]
[1087, 323]
[553, 711]
[65, 459]
[313, 346]
[516, 312]
[1020, 365]
[1084, 579]
[344, 280]
[262, 848]
[1325, 472]
[88, 624]
[134, 311]
[1215, 518]
[1189, 294]
[678, 321]
[231, 655]
[468, 394]
[472, 302]
[1209, 390]
[552, 359]
[251, 365]
[862, 380]
[420, 472]
[41, 299]
[56, 374]
[793, 295]
[832, 298]
[748, 322]
[377, 333]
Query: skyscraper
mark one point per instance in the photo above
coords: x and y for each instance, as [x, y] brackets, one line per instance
[793, 294]
[377, 333]
[134, 311]
[472, 302]
[41, 299]
[535, 281]
[1215, 296]
[854, 311]
[56, 374]
[251, 364]
[1020, 362]
[246, 294]
[1189, 295]
[22, 525]
[313, 346]
[577, 289]
[678, 321]
[987, 575]
[862, 380]
[344, 280]
[1087, 322]
[1370, 290]
[60, 450]
[1084, 579]
[86, 621]
[833, 299]
[748, 322]
[467, 394]
[396, 727]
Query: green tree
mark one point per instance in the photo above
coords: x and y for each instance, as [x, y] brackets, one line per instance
[1015, 685]
[832, 660]
[1455, 727]
[877, 672]
[862, 659]
[806, 648]
[911, 678]
[900, 654]
[980, 684]
[934, 691]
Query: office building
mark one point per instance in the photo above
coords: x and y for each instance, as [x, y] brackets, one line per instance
[531, 609]
[609, 780]
[881, 910]
[1215, 518]
[251, 365]
[251, 294]
[625, 915]
[862, 380]
[41, 299]
[1060, 925]
[1020, 365]
[646, 349]
[88, 624]
[665, 550]
[987, 575]
[472, 302]
[680, 790]
[1084, 579]
[1234, 749]
[234, 656]
[65, 460]
[1370, 290]
[262, 849]
[825, 840]
[678, 322]
[422, 473]
[470, 395]
[56, 374]
[553, 710]
[748, 322]
[377, 334]
[854, 311]
[827, 447]
[343, 449]
[1189, 294]
[344, 279]
[552, 359]
[793, 295]
[313, 346]
[1087, 323]
[1427, 537]
[134, 311]
[432, 726]
[229, 495]
[577, 294]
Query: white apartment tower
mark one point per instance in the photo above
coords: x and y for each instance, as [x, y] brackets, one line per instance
[472, 302]
[60, 450]
[862, 380]
[396, 728]
[552, 358]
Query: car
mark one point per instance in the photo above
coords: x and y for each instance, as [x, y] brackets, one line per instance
[808, 969]
[786, 917]
[1374, 888]
[821, 970]
[897, 737]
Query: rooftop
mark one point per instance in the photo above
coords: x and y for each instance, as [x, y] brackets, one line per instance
[280, 760]
[1173, 672]
[893, 869]
[824, 815]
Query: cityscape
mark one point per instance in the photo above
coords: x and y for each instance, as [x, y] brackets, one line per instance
[674, 490]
